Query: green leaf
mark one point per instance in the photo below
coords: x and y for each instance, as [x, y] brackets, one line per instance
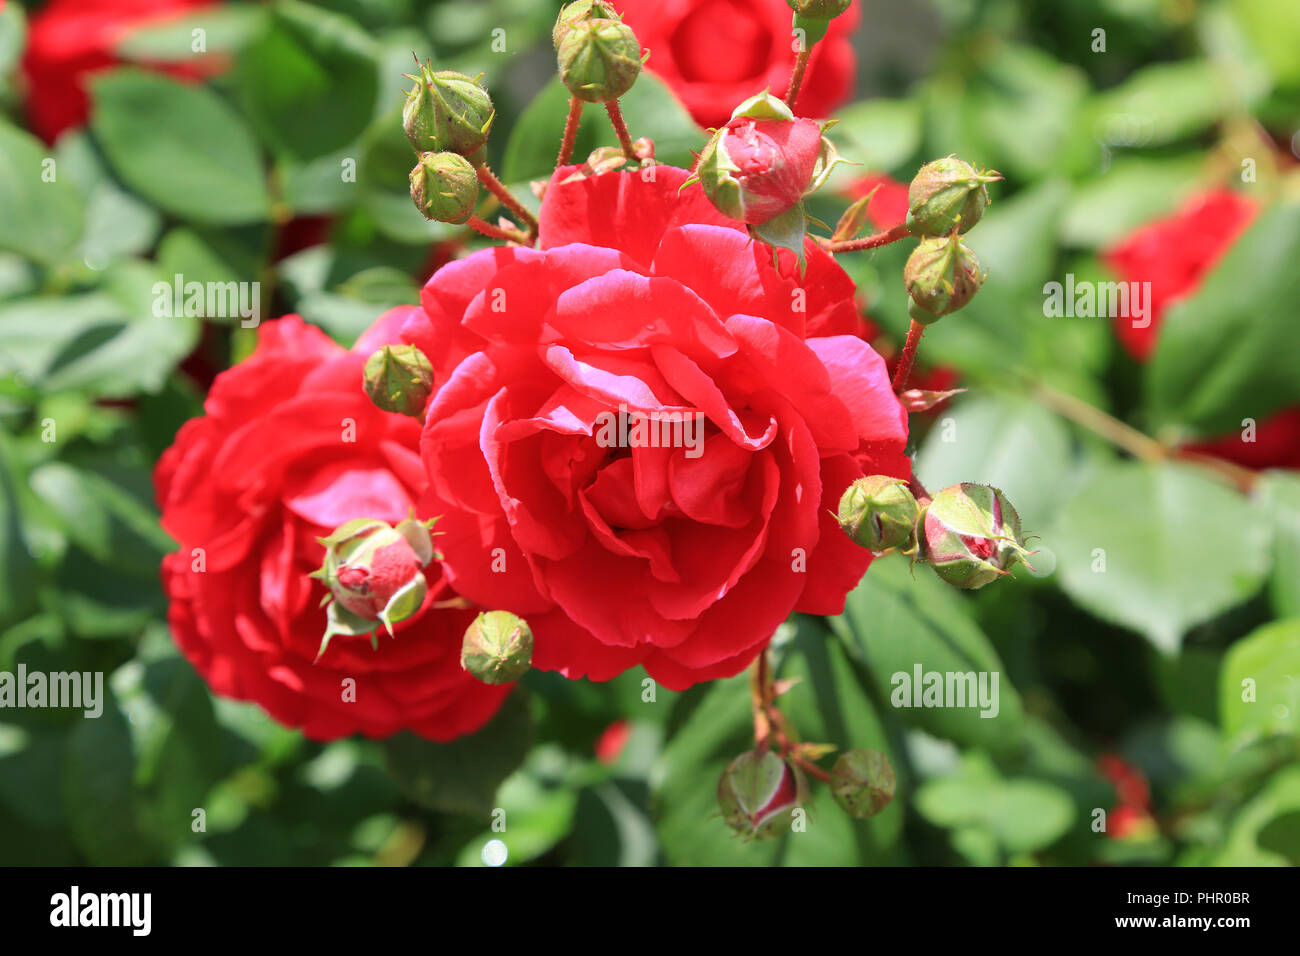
[1159, 548]
[880, 134]
[117, 224]
[1163, 103]
[226, 30]
[1279, 491]
[1254, 839]
[1133, 190]
[1022, 815]
[18, 581]
[462, 776]
[107, 342]
[650, 108]
[896, 620]
[13, 35]
[41, 219]
[1259, 689]
[98, 792]
[1010, 443]
[180, 146]
[1228, 353]
[828, 705]
[309, 81]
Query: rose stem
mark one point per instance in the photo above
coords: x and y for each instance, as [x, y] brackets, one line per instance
[507, 198]
[1133, 441]
[918, 490]
[620, 127]
[869, 242]
[908, 358]
[570, 132]
[796, 78]
[496, 232]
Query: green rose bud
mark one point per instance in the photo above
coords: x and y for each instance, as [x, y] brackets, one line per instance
[879, 513]
[399, 378]
[819, 9]
[577, 12]
[599, 59]
[947, 194]
[942, 275]
[498, 647]
[758, 793]
[970, 535]
[447, 112]
[862, 782]
[444, 187]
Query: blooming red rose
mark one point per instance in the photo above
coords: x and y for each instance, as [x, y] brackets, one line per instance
[69, 39]
[716, 53]
[289, 449]
[1175, 254]
[685, 552]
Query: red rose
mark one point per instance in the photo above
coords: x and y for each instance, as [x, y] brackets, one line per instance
[69, 39]
[641, 295]
[1175, 254]
[289, 449]
[716, 53]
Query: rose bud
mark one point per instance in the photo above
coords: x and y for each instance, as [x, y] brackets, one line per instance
[862, 782]
[444, 187]
[762, 163]
[373, 572]
[498, 647]
[399, 378]
[447, 112]
[879, 512]
[947, 194]
[599, 59]
[942, 275]
[970, 535]
[574, 13]
[819, 9]
[757, 793]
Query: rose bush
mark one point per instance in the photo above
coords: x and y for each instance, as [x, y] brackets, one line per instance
[641, 296]
[290, 448]
[716, 53]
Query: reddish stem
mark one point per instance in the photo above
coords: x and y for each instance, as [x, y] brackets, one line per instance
[496, 232]
[498, 189]
[908, 358]
[570, 132]
[869, 242]
[620, 128]
[796, 79]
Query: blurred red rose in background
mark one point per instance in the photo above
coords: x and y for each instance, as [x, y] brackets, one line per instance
[716, 53]
[69, 39]
[642, 299]
[1175, 254]
[888, 207]
[288, 449]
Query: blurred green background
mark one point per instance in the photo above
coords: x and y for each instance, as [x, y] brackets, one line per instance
[1119, 689]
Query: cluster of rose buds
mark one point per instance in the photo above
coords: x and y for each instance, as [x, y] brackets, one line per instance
[374, 574]
[970, 534]
[761, 792]
[945, 200]
[447, 118]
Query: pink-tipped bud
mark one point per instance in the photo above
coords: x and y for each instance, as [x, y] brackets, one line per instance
[971, 535]
[762, 163]
[758, 794]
